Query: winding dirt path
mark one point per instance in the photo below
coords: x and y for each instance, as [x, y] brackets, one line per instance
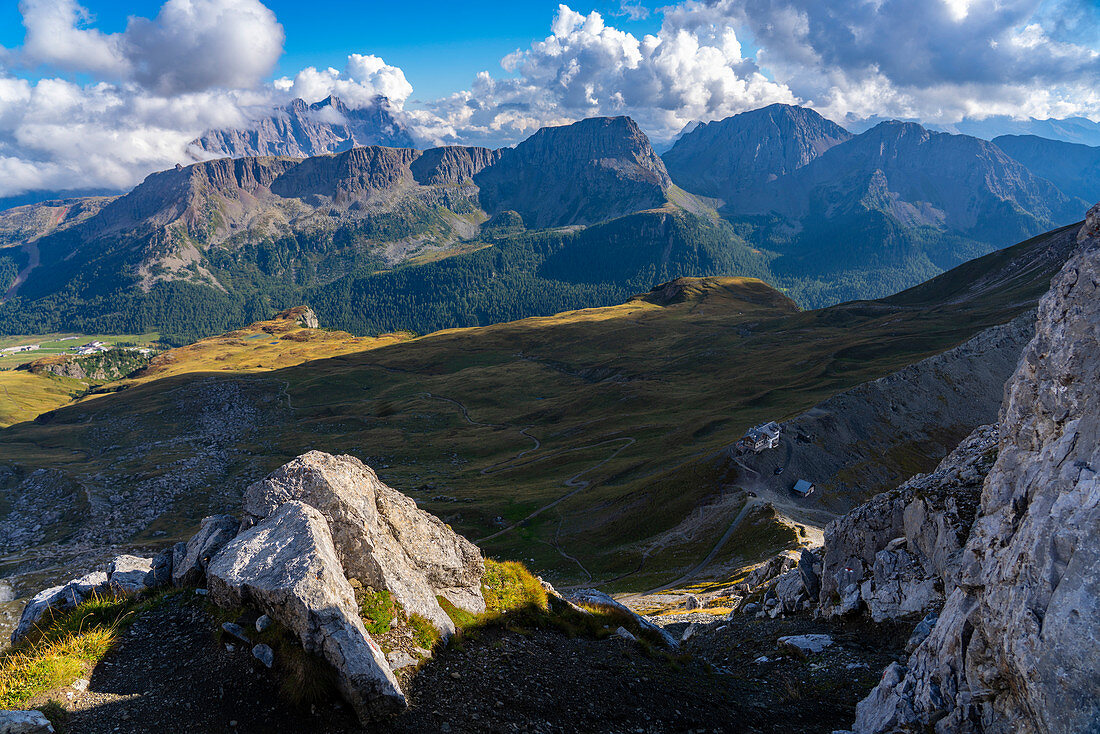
[575, 482]
[702, 565]
[502, 465]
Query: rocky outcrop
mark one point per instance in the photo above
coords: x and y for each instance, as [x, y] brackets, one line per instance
[60, 598]
[303, 316]
[1016, 644]
[382, 538]
[313, 531]
[591, 171]
[287, 566]
[898, 554]
[125, 575]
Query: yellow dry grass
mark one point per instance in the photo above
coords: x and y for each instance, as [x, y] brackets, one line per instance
[24, 395]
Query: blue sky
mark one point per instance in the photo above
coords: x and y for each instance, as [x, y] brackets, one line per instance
[97, 94]
[439, 45]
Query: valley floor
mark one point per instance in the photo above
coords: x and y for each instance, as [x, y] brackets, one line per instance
[171, 674]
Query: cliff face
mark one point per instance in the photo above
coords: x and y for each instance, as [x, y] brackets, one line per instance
[1017, 641]
[899, 553]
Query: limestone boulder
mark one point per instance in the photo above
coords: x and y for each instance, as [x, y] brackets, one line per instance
[287, 566]
[126, 574]
[597, 598]
[790, 591]
[24, 722]
[189, 560]
[58, 599]
[382, 538]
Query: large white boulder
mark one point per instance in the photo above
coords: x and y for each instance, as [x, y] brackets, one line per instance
[287, 566]
[382, 538]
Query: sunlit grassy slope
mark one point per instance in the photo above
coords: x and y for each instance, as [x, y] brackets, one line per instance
[24, 395]
[576, 441]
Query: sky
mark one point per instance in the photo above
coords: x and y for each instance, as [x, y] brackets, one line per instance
[97, 94]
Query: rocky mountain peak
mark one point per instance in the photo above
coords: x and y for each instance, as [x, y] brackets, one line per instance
[725, 157]
[593, 170]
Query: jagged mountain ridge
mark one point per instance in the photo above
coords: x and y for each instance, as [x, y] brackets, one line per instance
[425, 198]
[303, 130]
[377, 238]
[163, 230]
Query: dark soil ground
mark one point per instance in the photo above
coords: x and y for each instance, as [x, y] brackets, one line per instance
[172, 674]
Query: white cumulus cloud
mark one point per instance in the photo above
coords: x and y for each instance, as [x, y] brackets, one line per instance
[191, 45]
[587, 67]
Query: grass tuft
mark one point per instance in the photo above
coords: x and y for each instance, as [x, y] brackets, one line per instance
[508, 586]
[424, 632]
[377, 609]
[63, 646]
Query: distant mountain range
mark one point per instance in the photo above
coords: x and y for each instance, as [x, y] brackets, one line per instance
[896, 203]
[1073, 168]
[1079, 130]
[302, 130]
[384, 237]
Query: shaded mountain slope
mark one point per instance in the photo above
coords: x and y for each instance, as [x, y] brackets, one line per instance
[895, 206]
[591, 171]
[1073, 168]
